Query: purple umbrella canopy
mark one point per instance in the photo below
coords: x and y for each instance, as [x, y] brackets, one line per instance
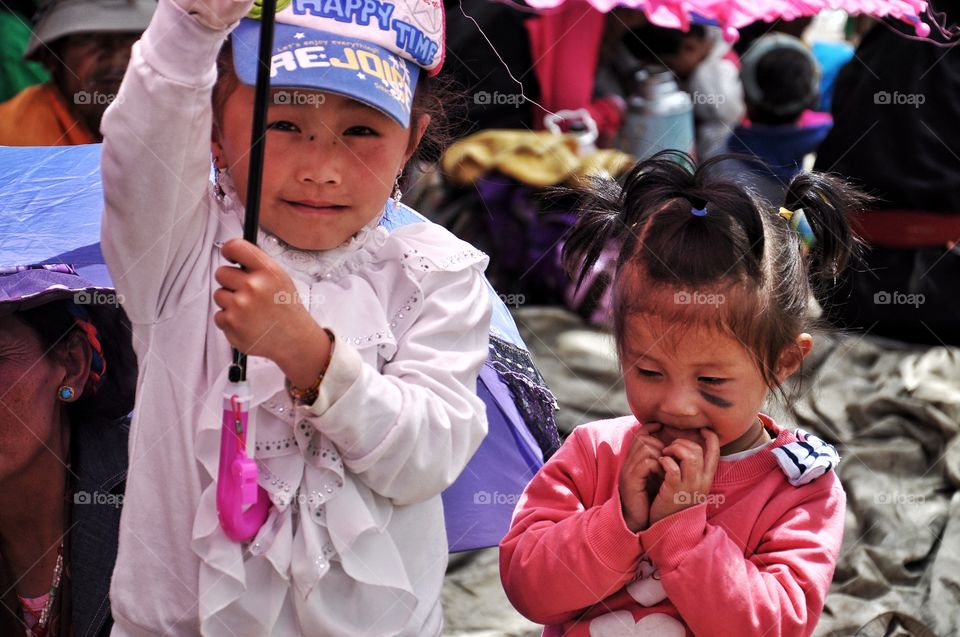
[51, 201]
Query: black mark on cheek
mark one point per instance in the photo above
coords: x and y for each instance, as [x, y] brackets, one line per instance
[716, 400]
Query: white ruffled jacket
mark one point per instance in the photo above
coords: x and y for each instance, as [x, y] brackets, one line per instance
[355, 542]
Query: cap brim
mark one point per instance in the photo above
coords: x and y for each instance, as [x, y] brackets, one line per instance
[311, 59]
[84, 16]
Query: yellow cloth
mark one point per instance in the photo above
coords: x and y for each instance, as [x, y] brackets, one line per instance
[537, 159]
[38, 116]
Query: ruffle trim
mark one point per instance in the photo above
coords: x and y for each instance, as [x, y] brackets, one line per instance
[321, 522]
[330, 265]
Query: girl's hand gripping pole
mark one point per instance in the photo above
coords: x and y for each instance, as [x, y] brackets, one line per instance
[242, 505]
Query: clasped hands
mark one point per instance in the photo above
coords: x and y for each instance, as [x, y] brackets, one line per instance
[662, 478]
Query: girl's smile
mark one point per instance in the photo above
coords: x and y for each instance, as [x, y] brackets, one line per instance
[309, 207]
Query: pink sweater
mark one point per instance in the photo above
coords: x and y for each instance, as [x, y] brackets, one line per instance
[756, 558]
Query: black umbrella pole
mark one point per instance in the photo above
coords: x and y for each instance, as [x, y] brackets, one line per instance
[251, 222]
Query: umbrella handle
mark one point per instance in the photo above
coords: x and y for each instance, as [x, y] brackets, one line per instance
[251, 220]
[257, 140]
[242, 505]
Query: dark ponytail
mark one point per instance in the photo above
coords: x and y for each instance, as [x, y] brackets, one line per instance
[827, 202]
[651, 214]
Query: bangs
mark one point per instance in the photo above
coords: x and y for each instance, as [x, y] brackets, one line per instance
[727, 307]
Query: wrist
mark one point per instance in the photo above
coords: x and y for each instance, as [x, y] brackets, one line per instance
[635, 525]
[196, 47]
[306, 359]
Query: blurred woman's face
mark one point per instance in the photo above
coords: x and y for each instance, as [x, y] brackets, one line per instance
[90, 70]
[29, 379]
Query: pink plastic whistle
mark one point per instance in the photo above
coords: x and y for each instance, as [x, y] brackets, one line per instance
[242, 505]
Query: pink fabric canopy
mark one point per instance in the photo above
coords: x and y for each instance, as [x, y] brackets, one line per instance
[733, 14]
[565, 38]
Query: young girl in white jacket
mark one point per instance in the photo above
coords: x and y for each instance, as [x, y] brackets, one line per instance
[364, 346]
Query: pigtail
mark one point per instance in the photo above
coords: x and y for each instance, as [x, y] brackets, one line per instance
[828, 204]
[610, 212]
[600, 221]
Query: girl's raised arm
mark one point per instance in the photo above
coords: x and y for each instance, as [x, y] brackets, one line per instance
[156, 163]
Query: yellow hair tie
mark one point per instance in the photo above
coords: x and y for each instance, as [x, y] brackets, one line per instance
[797, 220]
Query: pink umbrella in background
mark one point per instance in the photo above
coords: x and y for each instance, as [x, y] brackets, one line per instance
[565, 38]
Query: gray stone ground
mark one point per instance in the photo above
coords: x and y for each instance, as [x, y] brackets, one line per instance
[474, 604]
[580, 367]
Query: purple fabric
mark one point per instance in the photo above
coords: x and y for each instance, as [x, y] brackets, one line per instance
[26, 288]
[479, 505]
[524, 239]
[521, 381]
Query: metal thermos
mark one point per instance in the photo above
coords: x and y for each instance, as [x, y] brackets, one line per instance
[659, 116]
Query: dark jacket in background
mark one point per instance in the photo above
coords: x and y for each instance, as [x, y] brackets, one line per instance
[494, 100]
[896, 112]
[100, 464]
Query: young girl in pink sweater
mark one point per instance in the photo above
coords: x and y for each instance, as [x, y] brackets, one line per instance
[696, 514]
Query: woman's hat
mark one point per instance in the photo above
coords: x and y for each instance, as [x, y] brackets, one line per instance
[368, 50]
[59, 18]
[29, 287]
[776, 101]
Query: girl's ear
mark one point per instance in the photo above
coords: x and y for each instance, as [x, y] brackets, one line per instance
[216, 149]
[418, 127]
[792, 356]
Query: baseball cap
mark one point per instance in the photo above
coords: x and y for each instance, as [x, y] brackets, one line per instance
[369, 50]
[60, 18]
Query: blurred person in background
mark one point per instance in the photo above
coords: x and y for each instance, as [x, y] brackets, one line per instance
[706, 67]
[831, 50]
[895, 131]
[17, 73]
[780, 84]
[85, 46]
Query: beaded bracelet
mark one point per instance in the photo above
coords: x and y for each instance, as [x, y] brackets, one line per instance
[308, 395]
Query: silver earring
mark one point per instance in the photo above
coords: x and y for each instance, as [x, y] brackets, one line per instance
[66, 393]
[396, 194]
[217, 186]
